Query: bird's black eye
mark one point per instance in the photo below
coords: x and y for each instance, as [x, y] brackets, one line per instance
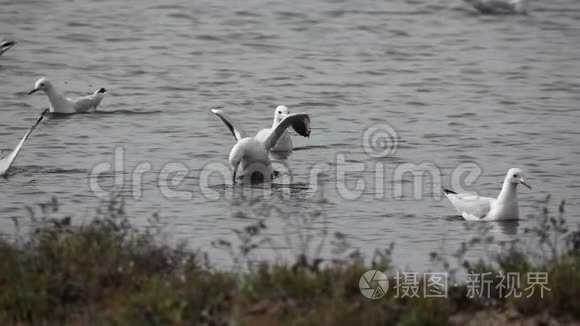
[515, 175]
[42, 84]
[279, 112]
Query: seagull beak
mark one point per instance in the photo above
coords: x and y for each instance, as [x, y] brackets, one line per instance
[522, 181]
[33, 91]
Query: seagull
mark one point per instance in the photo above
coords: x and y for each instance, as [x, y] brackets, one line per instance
[252, 153]
[505, 207]
[284, 144]
[5, 45]
[64, 105]
[499, 7]
[6, 163]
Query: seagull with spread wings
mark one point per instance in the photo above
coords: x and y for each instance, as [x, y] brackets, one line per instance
[251, 155]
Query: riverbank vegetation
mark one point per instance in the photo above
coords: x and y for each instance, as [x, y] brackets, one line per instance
[108, 271]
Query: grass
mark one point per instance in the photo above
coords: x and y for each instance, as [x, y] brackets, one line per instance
[109, 272]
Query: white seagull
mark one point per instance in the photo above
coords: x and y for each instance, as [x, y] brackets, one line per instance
[6, 163]
[252, 153]
[505, 207]
[500, 7]
[64, 105]
[284, 144]
[5, 45]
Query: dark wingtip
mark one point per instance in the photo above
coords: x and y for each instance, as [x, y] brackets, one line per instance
[449, 191]
[302, 129]
[102, 90]
[42, 114]
[9, 43]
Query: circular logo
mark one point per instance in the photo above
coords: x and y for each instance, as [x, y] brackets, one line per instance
[373, 284]
[380, 140]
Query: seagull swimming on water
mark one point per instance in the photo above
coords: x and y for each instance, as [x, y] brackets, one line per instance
[5, 45]
[6, 163]
[250, 154]
[505, 207]
[64, 105]
[500, 7]
[284, 144]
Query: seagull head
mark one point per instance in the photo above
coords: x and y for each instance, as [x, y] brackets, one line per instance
[41, 85]
[516, 176]
[280, 113]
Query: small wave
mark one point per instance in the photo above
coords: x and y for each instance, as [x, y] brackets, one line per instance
[64, 171]
[128, 112]
[273, 186]
[308, 147]
[452, 218]
[36, 169]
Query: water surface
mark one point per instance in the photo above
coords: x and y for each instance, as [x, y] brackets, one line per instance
[456, 87]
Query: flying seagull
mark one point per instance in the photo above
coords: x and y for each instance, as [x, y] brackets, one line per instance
[6, 163]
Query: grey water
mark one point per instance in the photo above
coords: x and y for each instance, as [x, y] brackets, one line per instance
[461, 96]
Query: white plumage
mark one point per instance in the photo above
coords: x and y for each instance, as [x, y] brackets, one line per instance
[477, 208]
[64, 105]
[284, 144]
[251, 155]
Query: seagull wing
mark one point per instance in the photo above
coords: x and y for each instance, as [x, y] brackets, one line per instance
[235, 130]
[469, 206]
[263, 134]
[300, 122]
[5, 45]
[87, 103]
[6, 163]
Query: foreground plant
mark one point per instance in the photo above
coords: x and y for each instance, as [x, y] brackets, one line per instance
[110, 272]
